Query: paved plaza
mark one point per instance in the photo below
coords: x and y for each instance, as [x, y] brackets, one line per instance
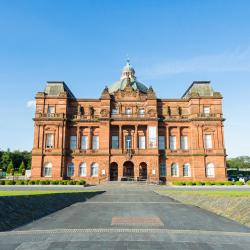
[129, 217]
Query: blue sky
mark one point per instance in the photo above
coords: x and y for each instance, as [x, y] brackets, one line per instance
[85, 43]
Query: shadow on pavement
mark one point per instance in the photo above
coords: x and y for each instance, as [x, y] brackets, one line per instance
[16, 211]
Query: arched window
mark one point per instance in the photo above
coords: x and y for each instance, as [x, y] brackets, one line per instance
[186, 170]
[47, 169]
[174, 170]
[210, 170]
[94, 169]
[83, 169]
[70, 170]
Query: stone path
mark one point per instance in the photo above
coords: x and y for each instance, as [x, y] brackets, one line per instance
[129, 217]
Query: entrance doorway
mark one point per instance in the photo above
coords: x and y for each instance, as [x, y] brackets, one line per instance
[143, 174]
[128, 169]
[113, 171]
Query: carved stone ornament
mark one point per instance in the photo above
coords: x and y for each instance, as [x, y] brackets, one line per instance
[152, 112]
[104, 113]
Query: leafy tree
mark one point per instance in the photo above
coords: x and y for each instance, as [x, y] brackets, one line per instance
[10, 168]
[239, 162]
[5, 160]
[21, 169]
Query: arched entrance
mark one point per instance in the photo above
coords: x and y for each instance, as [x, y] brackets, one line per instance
[128, 169]
[113, 171]
[143, 173]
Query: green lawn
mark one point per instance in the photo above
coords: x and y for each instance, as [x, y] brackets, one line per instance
[208, 192]
[39, 192]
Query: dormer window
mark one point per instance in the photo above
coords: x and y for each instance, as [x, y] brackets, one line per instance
[51, 109]
[206, 111]
[128, 111]
[141, 111]
[114, 111]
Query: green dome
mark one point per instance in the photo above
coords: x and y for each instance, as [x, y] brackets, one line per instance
[128, 77]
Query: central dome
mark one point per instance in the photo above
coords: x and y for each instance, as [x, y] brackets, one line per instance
[127, 77]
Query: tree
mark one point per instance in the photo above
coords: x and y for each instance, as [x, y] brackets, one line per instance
[239, 162]
[10, 168]
[21, 169]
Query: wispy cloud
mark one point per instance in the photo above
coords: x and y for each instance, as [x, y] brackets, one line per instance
[234, 61]
[31, 104]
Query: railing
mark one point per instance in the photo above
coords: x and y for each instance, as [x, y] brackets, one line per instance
[129, 116]
[50, 115]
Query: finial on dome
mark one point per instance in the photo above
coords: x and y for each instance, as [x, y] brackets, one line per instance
[128, 70]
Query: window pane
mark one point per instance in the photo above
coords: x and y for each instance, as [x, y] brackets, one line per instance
[95, 144]
[84, 142]
[152, 138]
[47, 171]
[174, 170]
[186, 170]
[128, 111]
[210, 170]
[72, 142]
[49, 140]
[51, 109]
[94, 170]
[184, 142]
[114, 111]
[128, 142]
[162, 170]
[161, 141]
[172, 142]
[206, 110]
[142, 142]
[115, 141]
[83, 169]
[208, 142]
[70, 170]
[141, 111]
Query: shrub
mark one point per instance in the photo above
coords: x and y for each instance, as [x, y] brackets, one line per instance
[10, 168]
[37, 182]
[2, 182]
[62, 182]
[54, 182]
[21, 169]
[10, 182]
[43, 182]
[178, 183]
[209, 183]
[229, 183]
[220, 183]
[239, 183]
[199, 183]
[26, 182]
[32, 182]
[248, 183]
[71, 182]
[20, 182]
[81, 182]
[190, 183]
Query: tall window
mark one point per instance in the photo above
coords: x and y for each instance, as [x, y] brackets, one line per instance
[172, 142]
[115, 141]
[83, 169]
[95, 144]
[184, 142]
[208, 142]
[161, 142]
[128, 111]
[47, 169]
[70, 169]
[49, 140]
[51, 109]
[210, 170]
[72, 142]
[206, 110]
[94, 169]
[141, 111]
[174, 170]
[186, 170]
[128, 141]
[142, 142]
[162, 170]
[84, 142]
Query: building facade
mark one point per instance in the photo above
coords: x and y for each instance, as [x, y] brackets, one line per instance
[129, 133]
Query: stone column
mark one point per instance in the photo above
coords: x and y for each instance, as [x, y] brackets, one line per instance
[78, 137]
[136, 137]
[178, 139]
[120, 136]
[90, 137]
[167, 137]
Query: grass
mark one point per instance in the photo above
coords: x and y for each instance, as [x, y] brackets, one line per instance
[208, 192]
[41, 192]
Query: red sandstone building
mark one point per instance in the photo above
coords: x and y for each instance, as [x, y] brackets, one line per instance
[128, 133]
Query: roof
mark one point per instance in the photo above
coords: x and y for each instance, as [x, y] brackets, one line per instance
[55, 88]
[122, 83]
[200, 88]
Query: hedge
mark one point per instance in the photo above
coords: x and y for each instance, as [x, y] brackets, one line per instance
[42, 182]
[208, 183]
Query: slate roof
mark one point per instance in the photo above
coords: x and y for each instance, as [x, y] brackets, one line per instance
[200, 88]
[55, 88]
